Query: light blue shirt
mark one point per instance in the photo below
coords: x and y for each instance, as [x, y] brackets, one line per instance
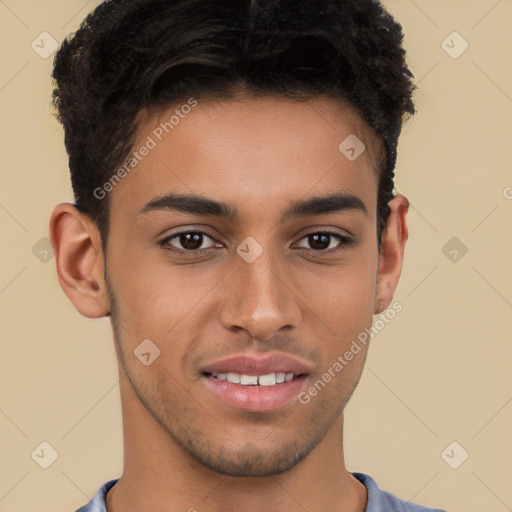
[378, 500]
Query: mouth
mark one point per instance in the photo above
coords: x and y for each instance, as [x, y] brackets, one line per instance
[255, 382]
[256, 393]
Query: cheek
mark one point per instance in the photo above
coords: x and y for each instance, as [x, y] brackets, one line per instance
[343, 303]
[158, 301]
[343, 296]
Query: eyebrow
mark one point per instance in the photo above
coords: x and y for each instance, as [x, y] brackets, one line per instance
[198, 205]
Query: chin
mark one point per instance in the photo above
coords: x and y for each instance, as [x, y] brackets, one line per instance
[252, 461]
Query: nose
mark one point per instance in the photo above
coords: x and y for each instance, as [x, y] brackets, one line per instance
[261, 297]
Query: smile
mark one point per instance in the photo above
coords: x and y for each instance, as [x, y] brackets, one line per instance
[270, 379]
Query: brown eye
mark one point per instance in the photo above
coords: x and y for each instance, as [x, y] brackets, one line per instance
[326, 241]
[187, 241]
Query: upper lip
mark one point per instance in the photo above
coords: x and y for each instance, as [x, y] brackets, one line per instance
[258, 364]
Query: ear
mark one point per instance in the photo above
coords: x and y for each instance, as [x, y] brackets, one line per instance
[391, 256]
[76, 243]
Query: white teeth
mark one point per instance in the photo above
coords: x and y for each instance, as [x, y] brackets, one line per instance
[233, 377]
[248, 380]
[267, 380]
[270, 379]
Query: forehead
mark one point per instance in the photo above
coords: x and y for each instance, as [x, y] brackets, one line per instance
[249, 152]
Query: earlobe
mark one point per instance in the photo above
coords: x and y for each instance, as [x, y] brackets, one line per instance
[76, 243]
[394, 237]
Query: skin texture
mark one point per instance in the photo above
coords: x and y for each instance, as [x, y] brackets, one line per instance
[183, 447]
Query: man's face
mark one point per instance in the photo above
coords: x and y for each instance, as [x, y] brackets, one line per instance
[303, 299]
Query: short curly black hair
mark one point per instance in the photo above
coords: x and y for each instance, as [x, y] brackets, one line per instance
[131, 55]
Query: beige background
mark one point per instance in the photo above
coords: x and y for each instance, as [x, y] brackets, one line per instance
[439, 372]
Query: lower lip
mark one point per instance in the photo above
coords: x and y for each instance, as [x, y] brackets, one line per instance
[256, 398]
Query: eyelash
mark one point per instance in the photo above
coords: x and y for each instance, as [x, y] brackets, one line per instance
[345, 242]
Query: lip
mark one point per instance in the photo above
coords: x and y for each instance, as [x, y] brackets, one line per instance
[259, 364]
[257, 398]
